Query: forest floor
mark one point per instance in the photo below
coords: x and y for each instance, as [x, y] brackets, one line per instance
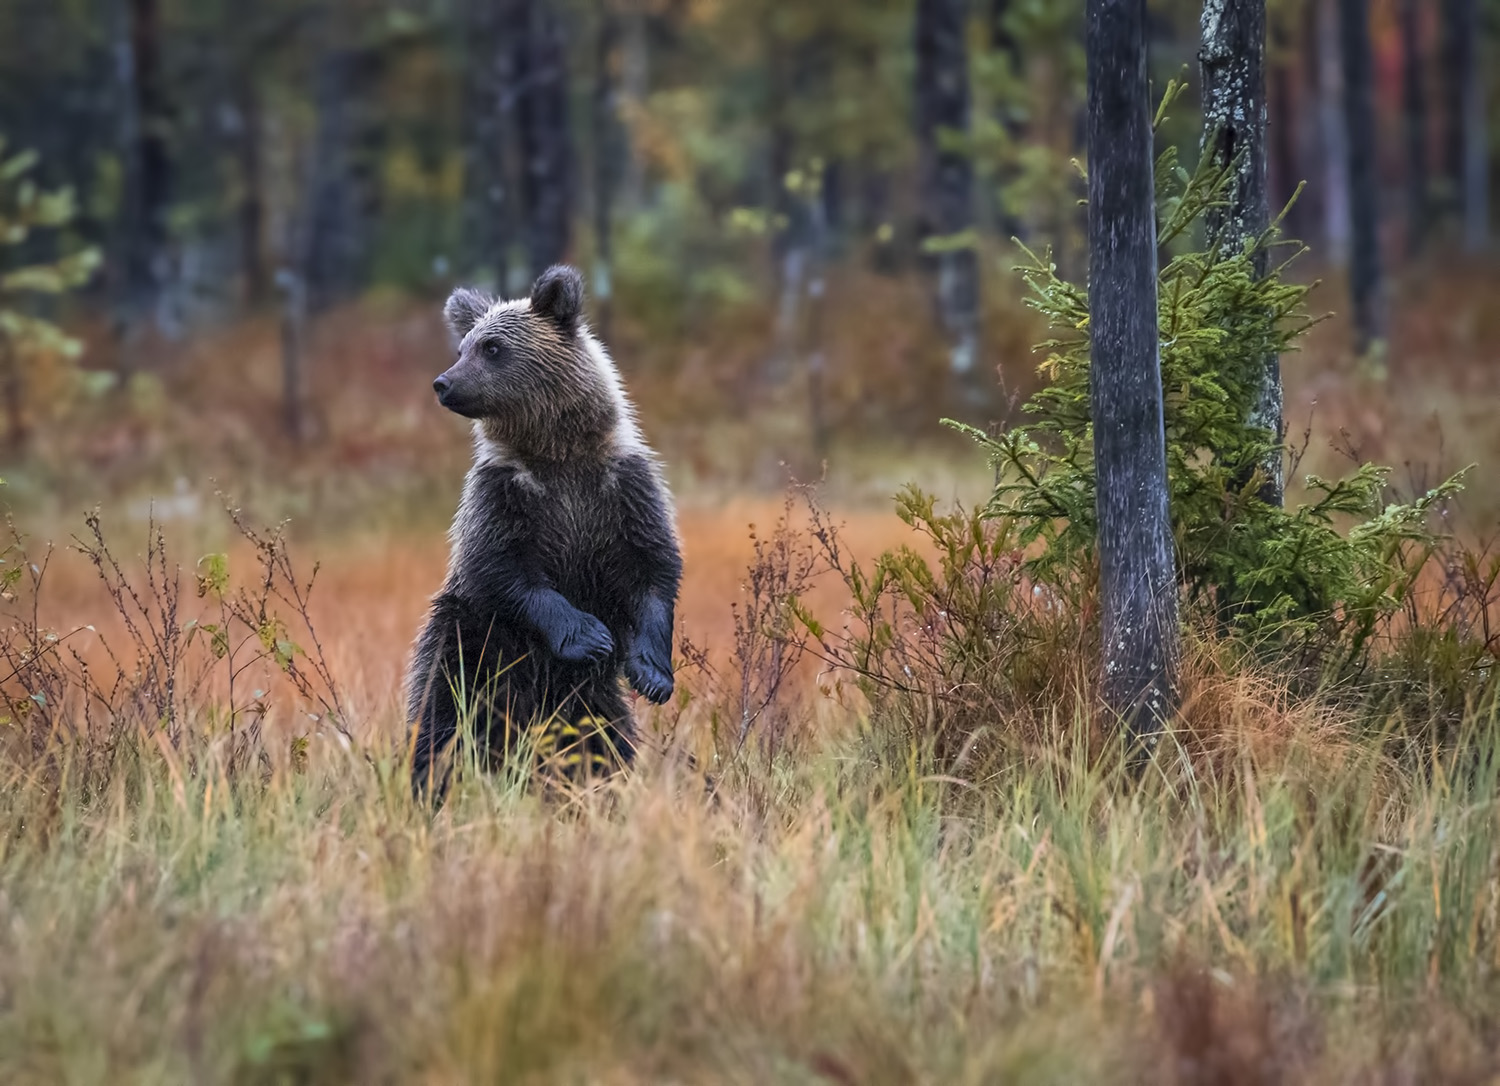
[241, 891]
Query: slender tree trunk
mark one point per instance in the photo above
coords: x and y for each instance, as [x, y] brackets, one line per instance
[1414, 112]
[293, 354]
[1138, 581]
[1364, 218]
[1476, 151]
[817, 290]
[141, 262]
[251, 211]
[1333, 134]
[635, 84]
[608, 151]
[155, 161]
[1004, 42]
[488, 110]
[1458, 58]
[547, 181]
[788, 64]
[942, 101]
[331, 234]
[1234, 133]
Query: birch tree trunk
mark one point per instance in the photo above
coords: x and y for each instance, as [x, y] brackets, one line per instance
[1233, 57]
[1138, 582]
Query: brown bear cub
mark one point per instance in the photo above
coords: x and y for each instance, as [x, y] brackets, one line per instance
[564, 565]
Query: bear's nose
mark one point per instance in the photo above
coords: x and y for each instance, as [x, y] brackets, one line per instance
[442, 384]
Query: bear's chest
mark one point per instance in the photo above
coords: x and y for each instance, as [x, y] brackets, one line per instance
[575, 522]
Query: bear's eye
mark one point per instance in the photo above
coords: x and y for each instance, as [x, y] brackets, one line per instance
[492, 350]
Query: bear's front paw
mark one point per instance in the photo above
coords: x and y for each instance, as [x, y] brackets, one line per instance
[585, 640]
[653, 682]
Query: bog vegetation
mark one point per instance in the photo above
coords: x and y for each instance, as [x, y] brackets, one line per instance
[886, 839]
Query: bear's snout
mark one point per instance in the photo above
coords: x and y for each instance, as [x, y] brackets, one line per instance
[457, 394]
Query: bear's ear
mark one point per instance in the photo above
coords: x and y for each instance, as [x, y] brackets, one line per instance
[558, 296]
[465, 307]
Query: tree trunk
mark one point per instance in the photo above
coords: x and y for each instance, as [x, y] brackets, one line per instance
[1414, 112]
[942, 112]
[789, 64]
[817, 291]
[1364, 217]
[141, 259]
[1476, 160]
[293, 354]
[1138, 581]
[1458, 59]
[547, 184]
[1234, 134]
[336, 212]
[1334, 136]
[635, 84]
[251, 211]
[1008, 45]
[608, 152]
[488, 114]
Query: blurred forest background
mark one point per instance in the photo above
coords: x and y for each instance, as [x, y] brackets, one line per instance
[795, 220]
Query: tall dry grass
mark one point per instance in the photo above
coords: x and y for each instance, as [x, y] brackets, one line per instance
[1276, 901]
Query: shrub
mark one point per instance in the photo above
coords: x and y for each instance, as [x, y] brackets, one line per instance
[980, 628]
[33, 350]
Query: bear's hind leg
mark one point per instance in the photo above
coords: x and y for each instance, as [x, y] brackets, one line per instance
[433, 708]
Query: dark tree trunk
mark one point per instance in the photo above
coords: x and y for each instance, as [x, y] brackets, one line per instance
[1414, 112]
[1476, 151]
[251, 211]
[142, 260]
[609, 150]
[1234, 135]
[155, 161]
[1004, 42]
[1458, 58]
[942, 111]
[547, 183]
[335, 210]
[1364, 212]
[489, 104]
[1138, 581]
[1333, 135]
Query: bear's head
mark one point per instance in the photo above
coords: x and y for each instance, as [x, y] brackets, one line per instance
[528, 370]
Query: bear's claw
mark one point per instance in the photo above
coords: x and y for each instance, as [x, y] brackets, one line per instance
[587, 641]
[654, 683]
